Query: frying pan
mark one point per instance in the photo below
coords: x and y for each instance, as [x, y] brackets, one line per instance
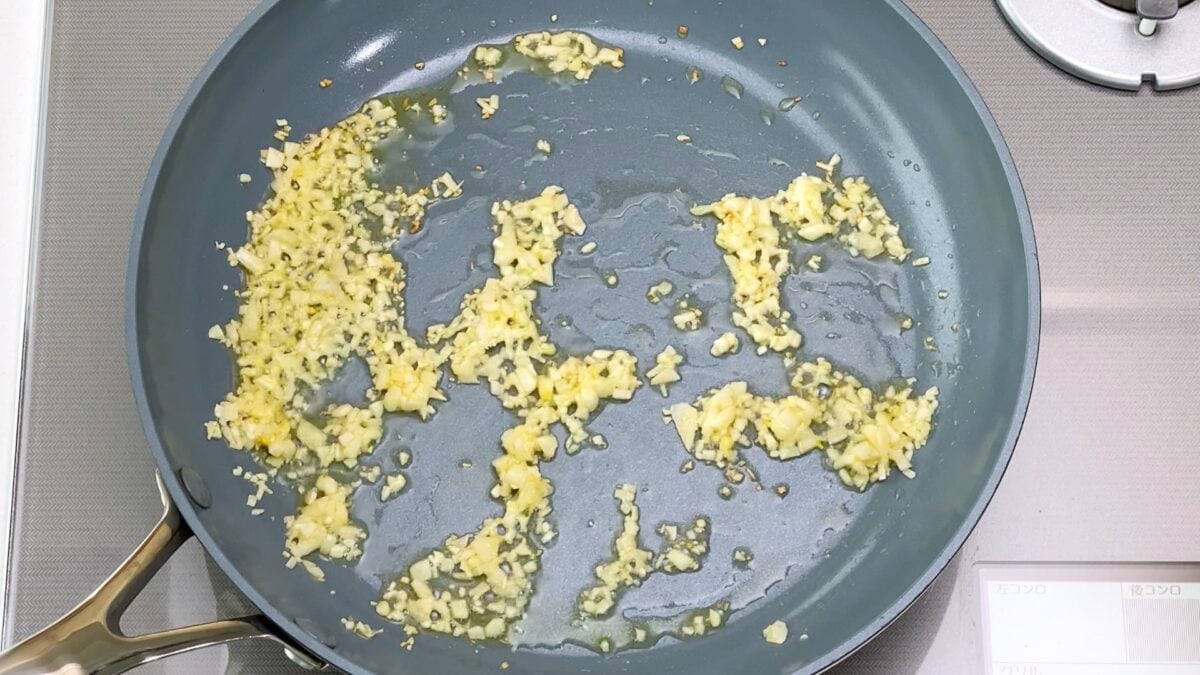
[836, 565]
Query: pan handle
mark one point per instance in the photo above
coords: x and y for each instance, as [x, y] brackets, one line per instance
[89, 638]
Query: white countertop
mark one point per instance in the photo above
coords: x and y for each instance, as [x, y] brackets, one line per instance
[24, 35]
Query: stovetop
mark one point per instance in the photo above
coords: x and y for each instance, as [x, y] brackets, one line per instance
[1106, 469]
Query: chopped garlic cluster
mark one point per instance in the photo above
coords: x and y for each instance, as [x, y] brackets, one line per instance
[757, 263]
[863, 433]
[666, 369]
[360, 628]
[567, 52]
[683, 548]
[392, 486]
[488, 105]
[629, 567]
[479, 585]
[700, 622]
[488, 57]
[320, 287]
[688, 318]
[811, 208]
[323, 523]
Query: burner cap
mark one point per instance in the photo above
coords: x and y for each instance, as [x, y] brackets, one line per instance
[1099, 41]
[1131, 5]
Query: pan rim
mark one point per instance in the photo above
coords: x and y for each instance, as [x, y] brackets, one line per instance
[293, 632]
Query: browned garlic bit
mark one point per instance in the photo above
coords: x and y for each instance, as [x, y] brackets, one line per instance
[863, 433]
[479, 585]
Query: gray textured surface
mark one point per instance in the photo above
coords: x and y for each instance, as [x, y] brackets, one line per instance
[1108, 448]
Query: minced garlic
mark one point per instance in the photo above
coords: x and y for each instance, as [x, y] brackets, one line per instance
[488, 105]
[715, 426]
[630, 567]
[359, 628]
[370, 473]
[665, 370]
[727, 343]
[478, 585]
[688, 318]
[323, 523]
[568, 52]
[392, 486]
[776, 633]
[863, 433]
[757, 262]
[488, 57]
[543, 146]
[259, 481]
[700, 622]
[742, 555]
[445, 187]
[658, 291]
[438, 111]
[320, 288]
[683, 549]
[810, 207]
[321, 285]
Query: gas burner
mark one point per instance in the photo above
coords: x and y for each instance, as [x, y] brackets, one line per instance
[1102, 42]
[1131, 5]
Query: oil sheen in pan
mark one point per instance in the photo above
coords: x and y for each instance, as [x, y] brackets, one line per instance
[638, 217]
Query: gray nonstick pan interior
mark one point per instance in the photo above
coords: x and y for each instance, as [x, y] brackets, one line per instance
[835, 564]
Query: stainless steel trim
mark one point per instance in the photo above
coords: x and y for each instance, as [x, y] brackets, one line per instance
[89, 638]
[1103, 45]
[24, 51]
